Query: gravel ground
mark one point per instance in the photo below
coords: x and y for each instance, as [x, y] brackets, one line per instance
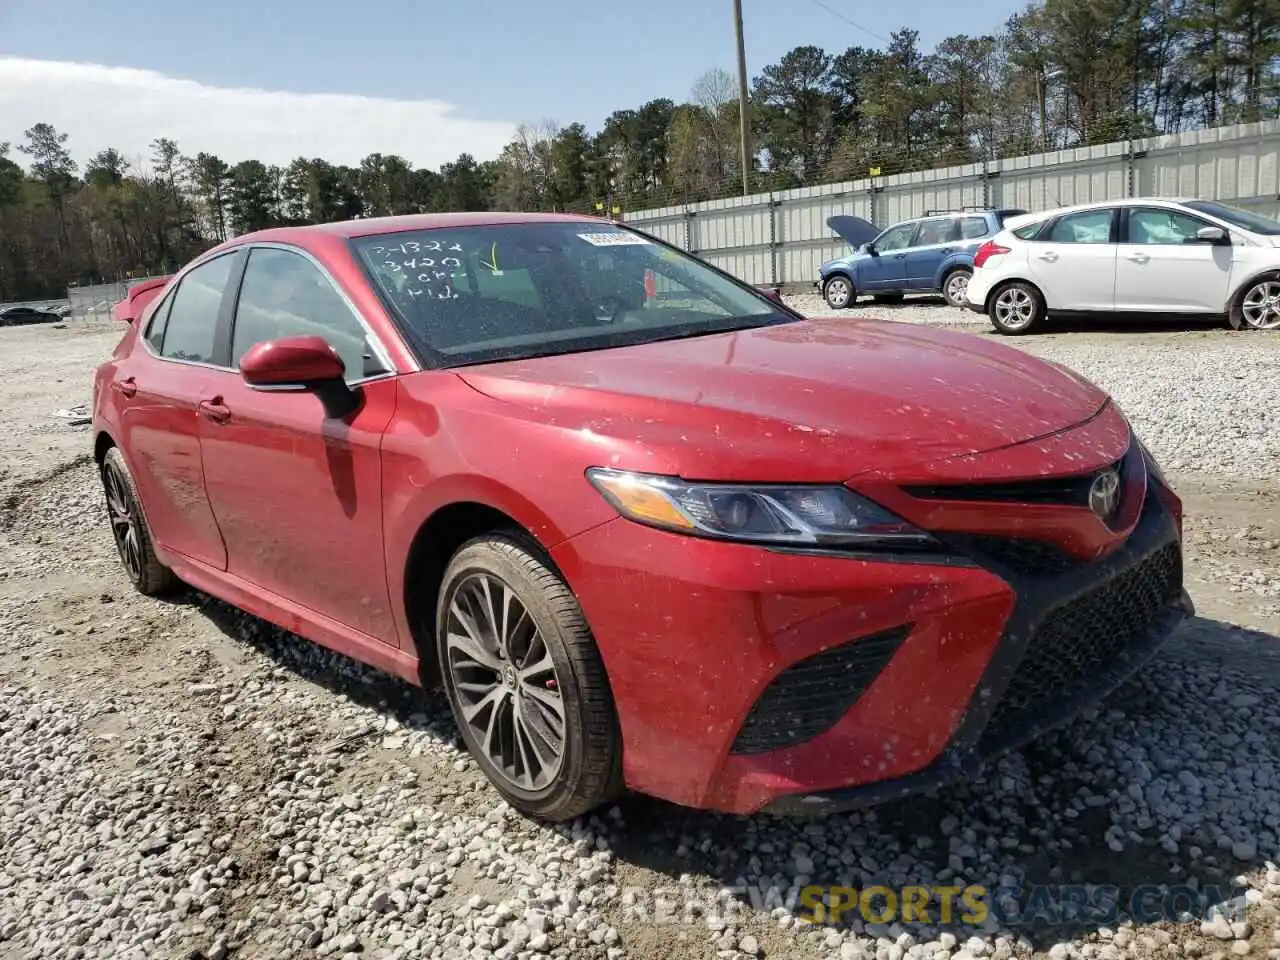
[178, 779]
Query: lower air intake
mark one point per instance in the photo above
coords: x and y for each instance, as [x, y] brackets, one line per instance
[810, 696]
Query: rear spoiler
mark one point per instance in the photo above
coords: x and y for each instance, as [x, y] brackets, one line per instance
[135, 301]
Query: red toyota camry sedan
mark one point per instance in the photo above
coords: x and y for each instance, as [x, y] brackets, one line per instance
[648, 527]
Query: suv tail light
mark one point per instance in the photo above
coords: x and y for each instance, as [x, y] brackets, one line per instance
[987, 251]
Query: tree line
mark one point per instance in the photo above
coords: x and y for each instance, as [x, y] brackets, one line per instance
[1060, 73]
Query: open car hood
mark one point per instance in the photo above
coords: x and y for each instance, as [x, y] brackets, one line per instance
[853, 230]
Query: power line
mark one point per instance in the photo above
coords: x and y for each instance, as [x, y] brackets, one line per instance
[836, 13]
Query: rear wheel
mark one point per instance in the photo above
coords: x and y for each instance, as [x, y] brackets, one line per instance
[955, 284]
[525, 680]
[1016, 308]
[129, 529]
[838, 292]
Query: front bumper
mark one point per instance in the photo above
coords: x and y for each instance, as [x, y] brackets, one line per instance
[699, 636]
[986, 732]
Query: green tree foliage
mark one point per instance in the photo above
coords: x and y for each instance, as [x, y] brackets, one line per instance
[1058, 74]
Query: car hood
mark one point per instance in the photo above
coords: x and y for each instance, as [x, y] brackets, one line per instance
[814, 400]
[854, 231]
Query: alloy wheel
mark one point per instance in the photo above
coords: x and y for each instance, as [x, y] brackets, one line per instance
[1014, 308]
[957, 286]
[1261, 306]
[124, 526]
[839, 291]
[506, 684]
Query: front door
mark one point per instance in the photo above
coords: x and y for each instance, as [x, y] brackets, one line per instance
[160, 386]
[1162, 266]
[887, 269]
[298, 495]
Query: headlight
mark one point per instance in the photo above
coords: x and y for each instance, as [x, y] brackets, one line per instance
[758, 513]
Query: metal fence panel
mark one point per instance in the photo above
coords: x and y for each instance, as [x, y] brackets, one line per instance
[783, 237]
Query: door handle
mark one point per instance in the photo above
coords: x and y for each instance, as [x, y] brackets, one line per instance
[945, 250]
[1050, 256]
[127, 386]
[900, 256]
[215, 410]
[1139, 257]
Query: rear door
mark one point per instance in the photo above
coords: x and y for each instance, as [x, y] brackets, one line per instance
[886, 269]
[1073, 261]
[934, 242]
[160, 385]
[1162, 266]
[298, 495]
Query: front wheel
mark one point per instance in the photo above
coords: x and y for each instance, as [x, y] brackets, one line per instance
[1258, 306]
[1016, 308]
[525, 680]
[955, 285]
[838, 292]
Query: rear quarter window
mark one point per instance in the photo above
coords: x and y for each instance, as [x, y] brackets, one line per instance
[1028, 231]
[971, 228]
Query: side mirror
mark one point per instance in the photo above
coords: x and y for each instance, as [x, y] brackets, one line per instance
[1211, 235]
[301, 365]
[870, 248]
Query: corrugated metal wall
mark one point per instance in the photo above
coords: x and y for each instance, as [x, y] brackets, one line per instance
[782, 238]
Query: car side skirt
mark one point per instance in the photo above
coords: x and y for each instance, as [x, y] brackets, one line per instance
[294, 617]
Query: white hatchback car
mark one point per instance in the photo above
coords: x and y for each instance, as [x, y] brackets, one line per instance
[1144, 255]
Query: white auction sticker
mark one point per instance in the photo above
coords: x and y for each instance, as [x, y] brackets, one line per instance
[613, 239]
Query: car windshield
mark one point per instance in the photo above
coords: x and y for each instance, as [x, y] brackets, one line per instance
[1243, 219]
[476, 294]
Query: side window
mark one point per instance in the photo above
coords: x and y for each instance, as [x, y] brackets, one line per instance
[971, 228]
[1029, 230]
[1152, 225]
[895, 238]
[192, 321]
[934, 232]
[1089, 226]
[284, 295]
[156, 325]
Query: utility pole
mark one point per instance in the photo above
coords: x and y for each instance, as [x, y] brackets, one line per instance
[742, 98]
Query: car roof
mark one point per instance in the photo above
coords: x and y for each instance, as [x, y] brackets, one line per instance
[371, 226]
[1096, 205]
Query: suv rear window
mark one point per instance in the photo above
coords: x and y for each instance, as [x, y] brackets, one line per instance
[971, 228]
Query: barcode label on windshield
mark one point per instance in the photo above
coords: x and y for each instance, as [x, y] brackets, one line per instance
[613, 239]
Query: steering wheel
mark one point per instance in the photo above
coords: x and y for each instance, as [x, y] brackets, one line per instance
[609, 309]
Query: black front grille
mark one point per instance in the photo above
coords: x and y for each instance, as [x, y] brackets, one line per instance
[808, 697]
[1020, 554]
[1086, 638]
[1070, 491]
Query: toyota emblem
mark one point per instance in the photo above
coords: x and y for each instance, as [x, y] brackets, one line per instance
[1104, 494]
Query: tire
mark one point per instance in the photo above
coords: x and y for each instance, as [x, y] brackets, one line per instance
[486, 684]
[1016, 308]
[889, 298]
[1257, 306]
[839, 293]
[954, 285]
[129, 529]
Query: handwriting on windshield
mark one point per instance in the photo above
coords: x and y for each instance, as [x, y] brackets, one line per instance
[422, 268]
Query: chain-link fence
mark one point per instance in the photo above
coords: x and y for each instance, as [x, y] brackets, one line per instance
[780, 238]
[96, 301]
